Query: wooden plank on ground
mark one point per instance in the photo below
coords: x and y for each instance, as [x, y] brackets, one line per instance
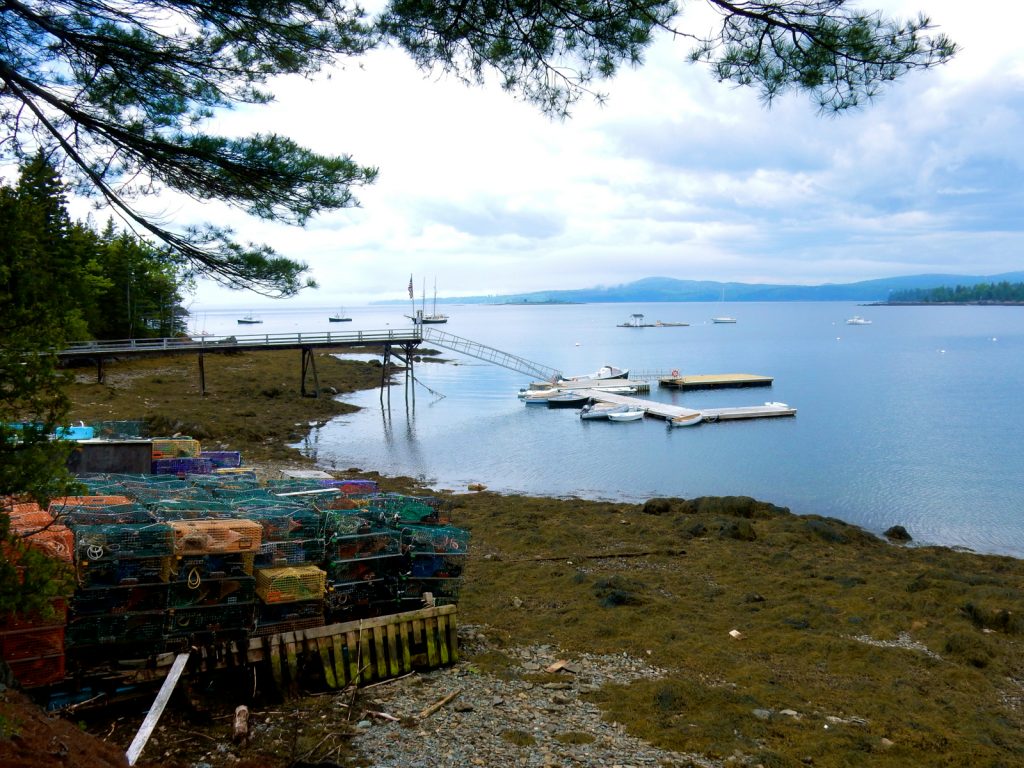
[164, 695]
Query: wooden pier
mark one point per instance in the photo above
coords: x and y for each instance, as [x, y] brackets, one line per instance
[716, 381]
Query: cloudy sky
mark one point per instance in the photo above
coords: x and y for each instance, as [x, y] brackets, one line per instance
[676, 175]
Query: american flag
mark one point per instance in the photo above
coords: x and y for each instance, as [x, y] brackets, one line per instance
[410, 286]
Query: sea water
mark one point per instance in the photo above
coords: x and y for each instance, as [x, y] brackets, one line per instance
[913, 420]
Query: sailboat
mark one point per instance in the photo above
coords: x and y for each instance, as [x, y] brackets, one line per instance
[339, 317]
[420, 316]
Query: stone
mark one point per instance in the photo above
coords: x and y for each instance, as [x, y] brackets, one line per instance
[762, 714]
[898, 533]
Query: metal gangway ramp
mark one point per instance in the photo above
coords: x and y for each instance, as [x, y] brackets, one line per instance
[491, 355]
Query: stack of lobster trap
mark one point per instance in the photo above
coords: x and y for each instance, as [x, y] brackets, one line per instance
[163, 562]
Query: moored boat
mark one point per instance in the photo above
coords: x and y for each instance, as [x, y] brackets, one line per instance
[687, 420]
[633, 414]
[858, 320]
[249, 319]
[723, 320]
[602, 410]
[339, 317]
[604, 372]
[568, 400]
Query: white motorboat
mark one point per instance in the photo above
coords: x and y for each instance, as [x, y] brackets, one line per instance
[604, 372]
[633, 414]
[538, 396]
[687, 420]
[723, 319]
[601, 410]
[858, 320]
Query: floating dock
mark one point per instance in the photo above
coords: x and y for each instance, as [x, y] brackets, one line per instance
[715, 381]
[669, 411]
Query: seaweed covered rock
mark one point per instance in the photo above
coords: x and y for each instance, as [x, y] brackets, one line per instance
[726, 506]
[898, 533]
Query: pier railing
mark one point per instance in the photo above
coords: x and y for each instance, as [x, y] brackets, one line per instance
[491, 355]
[240, 341]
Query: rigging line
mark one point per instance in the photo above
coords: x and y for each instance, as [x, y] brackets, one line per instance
[431, 391]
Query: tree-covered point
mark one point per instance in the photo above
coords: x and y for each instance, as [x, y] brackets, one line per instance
[982, 293]
[116, 92]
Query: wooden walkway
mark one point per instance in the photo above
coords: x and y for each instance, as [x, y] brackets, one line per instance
[238, 342]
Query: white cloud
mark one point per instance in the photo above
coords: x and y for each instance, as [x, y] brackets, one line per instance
[675, 175]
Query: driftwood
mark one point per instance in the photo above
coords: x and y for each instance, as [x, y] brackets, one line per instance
[241, 732]
[438, 704]
[601, 556]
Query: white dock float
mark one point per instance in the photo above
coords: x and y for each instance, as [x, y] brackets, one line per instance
[668, 411]
[650, 407]
[767, 410]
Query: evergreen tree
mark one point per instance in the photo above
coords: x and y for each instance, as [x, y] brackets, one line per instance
[38, 288]
[120, 89]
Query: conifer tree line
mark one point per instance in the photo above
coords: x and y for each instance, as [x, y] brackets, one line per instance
[110, 284]
[1003, 292]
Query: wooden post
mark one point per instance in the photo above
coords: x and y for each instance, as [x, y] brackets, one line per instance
[309, 363]
[157, 709]
[241, 734]
[202, 375]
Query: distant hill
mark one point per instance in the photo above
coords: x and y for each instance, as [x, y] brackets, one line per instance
[654, 289]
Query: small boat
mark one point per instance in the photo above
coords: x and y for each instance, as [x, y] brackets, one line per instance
[858, 320]
[661, 324]
[687, 420]
[604, 372]
[723, 319]
[568, 400]
[635, 321]
[249, 320]
[339, 317]
[633, 414]
[538, 396]
[601, 410]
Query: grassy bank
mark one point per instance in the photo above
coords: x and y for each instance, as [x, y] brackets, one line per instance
[786, 640]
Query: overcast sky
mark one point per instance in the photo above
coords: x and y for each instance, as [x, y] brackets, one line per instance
[676, 175]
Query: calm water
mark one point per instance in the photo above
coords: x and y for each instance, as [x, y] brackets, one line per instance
[913, 420]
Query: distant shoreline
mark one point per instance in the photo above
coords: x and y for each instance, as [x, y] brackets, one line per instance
[945, 304]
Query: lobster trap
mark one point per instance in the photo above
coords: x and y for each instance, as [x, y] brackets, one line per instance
[199, 537]
[290, 584]
[175, 448]
[234, 618]
[193, 568]
[205, 593]
[396, 509]
[277, 553]
[113, 573]
[183, 466]
[99, 542]
[133, 598]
